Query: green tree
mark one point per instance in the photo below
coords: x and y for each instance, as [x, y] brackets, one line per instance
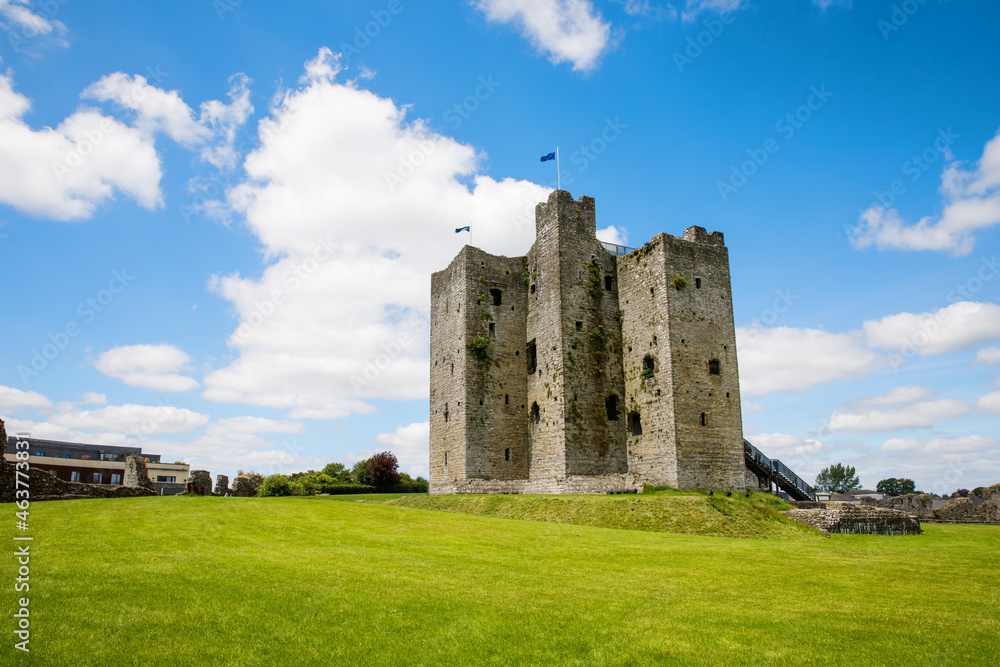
[359, 473]
[338, 471]
[837, 478]
[896, 487]
[276, 485]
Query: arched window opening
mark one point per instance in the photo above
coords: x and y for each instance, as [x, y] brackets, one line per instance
[536, 414]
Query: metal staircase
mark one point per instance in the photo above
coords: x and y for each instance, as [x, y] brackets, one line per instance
[777, 473]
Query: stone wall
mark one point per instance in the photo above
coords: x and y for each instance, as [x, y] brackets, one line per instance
[221, 485]
[919, 504]
[858, 520]
[959, 509]
[136, 475]
[990, 509]
[246, 486]
[201, 482]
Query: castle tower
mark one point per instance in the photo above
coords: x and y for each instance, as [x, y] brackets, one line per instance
[573, 371]
[681, 377]
[575, 341]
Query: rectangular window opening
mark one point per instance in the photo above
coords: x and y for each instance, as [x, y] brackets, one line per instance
[497, 297]
[493, 330]
[531, 357]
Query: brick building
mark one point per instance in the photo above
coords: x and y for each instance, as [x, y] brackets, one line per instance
[98, 464]
[585, 367]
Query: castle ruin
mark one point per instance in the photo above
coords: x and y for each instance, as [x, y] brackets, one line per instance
[577, 369]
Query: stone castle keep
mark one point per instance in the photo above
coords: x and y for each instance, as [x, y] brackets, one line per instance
[576, 370]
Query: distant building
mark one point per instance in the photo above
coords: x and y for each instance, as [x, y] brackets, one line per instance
[99, 464]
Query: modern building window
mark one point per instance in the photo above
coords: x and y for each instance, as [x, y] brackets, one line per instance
[714, 368]
[39, 453]
[97, 478]
[611, 403]
[74, 476]
[66, 456]
[634, 423]
[531, 355]
[55, 473]
[163, 479]
[116, 478]
[536, 413]
[497, 297]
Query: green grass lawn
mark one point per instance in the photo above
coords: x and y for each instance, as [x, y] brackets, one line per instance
[326, 581]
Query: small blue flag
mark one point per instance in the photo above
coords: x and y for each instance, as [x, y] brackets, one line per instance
[463, 229]
[550, 156]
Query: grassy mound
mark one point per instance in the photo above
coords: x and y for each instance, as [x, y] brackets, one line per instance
[663, 511]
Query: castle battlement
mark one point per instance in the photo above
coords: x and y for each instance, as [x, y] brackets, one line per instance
[571, 370]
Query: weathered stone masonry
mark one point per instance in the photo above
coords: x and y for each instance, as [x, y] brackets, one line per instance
[572, 371]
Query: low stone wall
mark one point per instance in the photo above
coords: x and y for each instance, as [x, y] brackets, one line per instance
[201, 482]
[857, 520]
[919, 504]
[573, 484]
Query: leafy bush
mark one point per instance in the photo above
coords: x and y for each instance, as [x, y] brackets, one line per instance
[480, 346]
[276, 485]
[679, 282]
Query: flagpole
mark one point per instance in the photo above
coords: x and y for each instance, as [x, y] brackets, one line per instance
[558, 174]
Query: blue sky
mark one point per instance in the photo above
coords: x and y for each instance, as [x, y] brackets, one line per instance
[218, 220]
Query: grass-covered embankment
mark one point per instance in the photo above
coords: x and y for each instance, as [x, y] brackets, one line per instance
[688, 513]
[317, 581]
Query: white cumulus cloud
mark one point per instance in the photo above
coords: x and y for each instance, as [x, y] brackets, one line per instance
[920, 414]
[12, 399]
[161, 111]
[956, 327]
[989, 356]
[971, 203]
[568, 30]
[132, 419]
[66, 172]
[149, 366]
[339, 314]
[790, 359]
[23, 25]
[410, 444]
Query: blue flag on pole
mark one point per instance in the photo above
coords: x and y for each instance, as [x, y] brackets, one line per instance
[549, 156]
[463, 229]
